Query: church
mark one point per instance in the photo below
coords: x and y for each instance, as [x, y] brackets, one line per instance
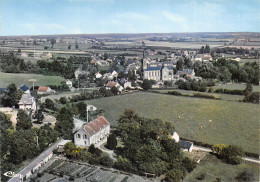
[157, 72]
[92, 132]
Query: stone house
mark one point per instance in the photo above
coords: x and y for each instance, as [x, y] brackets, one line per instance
[92, 132]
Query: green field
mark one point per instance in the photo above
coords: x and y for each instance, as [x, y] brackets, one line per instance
[232, 122]
[234, 86]
[214, 168]
[19, 79]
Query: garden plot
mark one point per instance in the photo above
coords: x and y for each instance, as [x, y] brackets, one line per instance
[96, 176]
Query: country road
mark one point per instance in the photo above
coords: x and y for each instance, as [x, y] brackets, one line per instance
[209, 150]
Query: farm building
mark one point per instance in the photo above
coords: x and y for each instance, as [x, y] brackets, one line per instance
[186, 145]
[45, 156]
[24, 89]
[45, 90]
[92, 132]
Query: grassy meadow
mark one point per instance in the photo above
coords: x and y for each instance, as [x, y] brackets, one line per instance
[214, 168]
[19, 79]
[232, 122]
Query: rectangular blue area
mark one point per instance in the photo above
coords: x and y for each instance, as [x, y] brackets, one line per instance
[152, 68]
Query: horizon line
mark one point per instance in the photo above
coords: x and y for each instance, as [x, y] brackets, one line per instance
[118, 33]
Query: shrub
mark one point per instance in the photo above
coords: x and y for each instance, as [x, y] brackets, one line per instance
[201, 177]
[189, 164]
[111, 141]
[246, 175]
[106, 161]
[232, 154]
[71, 178]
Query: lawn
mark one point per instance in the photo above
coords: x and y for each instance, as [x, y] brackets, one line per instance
[214, 168]
[19, 79]
[232, 122]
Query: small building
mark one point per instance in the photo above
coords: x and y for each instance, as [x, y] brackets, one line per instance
[69, 83]
[27, 102]
[91, 108]
[25, 89]
[186, 145]
[92, 132]
[175, 136]
[152, 73]
[167, 73]
[45, 90]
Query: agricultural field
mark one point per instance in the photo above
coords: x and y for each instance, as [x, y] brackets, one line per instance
[84, 172]
[232, 122]
[226, 97]
[213, 168]
[236, 86]
[19, 79]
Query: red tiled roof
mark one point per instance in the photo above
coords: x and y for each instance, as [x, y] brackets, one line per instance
[42, 88]
[111, 84]
[95, 126]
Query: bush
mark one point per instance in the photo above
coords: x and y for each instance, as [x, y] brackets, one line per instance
[246, 175]
[252, 97]
[204, 96]
[232, 154]
[111, 141]
[232, 92]
[201, 177]
[106, 161]
[174, 93]
[189, 164]
[71, 178]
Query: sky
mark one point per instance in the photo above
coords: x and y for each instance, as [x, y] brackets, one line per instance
[42, 17]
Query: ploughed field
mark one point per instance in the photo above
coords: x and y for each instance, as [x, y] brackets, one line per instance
[206, 120]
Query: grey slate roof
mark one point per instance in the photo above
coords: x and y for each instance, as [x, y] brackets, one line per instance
[152, 68]
[27, 99]
[24, 88]
[185, 144]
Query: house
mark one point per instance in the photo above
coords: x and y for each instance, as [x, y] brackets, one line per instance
[203, 57]
[111, 84]
[45, 90]
[24, 89]
[92, 132]
[27, 102]
[186, 72]
[69, 83]
[186, 145]
[175, 136]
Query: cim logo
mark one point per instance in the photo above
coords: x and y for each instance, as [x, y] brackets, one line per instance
[12, 174]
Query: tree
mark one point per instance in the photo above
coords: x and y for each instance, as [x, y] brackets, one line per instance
[53, 41]
[82, 108]
[232, 154]
[175, 175]
[106, 161]
[23, 121]
[248, 89]
[245, 175]
[111, 141]
[64, 124]
[146, 85]
[189, 164]
[218, 148]
[49, 104]
[39, 115]
[70, 148]
[179, 64]
[63, 100]
[114, 90]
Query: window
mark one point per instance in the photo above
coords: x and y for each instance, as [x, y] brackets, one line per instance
[85, 142]
[78, 135]
[85, 136]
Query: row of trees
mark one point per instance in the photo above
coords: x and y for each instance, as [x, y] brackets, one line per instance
[227, 70]
[11, 64]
